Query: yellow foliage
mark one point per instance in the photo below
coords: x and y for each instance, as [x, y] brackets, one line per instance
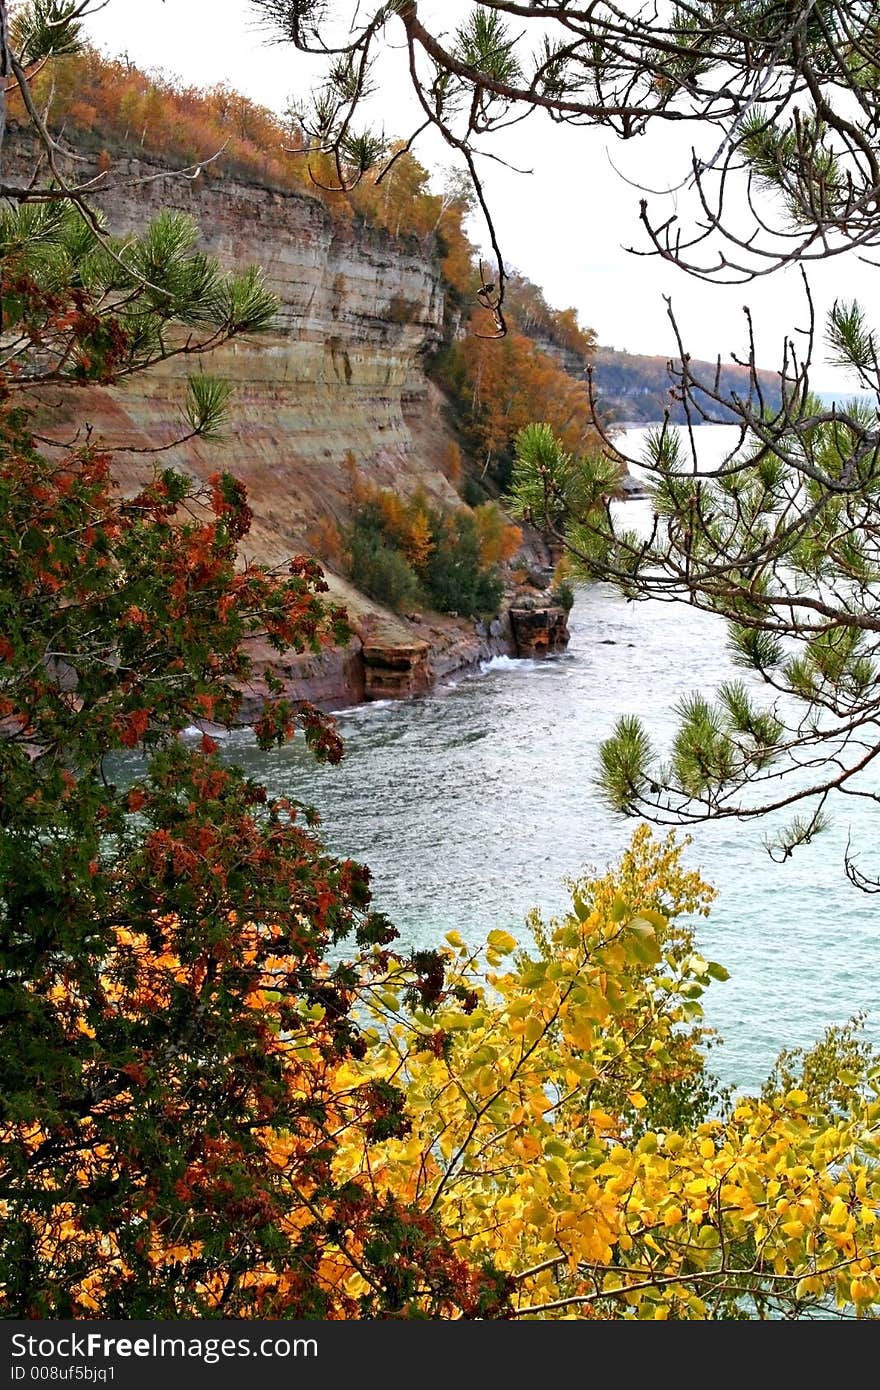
[554, 1127]
[545, 1132]
[416, 540]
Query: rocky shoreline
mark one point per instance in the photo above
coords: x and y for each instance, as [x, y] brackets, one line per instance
[370, 668]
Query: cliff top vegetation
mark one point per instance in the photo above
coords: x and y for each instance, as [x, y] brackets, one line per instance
[111, 107]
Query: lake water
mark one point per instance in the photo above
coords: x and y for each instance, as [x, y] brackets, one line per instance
[473, 804]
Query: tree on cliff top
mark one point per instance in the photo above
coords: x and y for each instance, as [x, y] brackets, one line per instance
[782, 539]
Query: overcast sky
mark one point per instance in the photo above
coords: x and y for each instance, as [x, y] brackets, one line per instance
[565, 225]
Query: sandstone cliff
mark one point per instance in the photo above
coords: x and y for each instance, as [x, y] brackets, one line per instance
[341, 376]
[341, 373]
[634, 389]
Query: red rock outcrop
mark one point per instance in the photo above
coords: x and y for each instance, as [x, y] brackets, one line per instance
[538, 629]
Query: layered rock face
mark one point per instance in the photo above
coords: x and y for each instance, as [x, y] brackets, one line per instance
[339, 375]
[339, 379]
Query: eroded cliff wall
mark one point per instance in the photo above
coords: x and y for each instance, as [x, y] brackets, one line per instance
[340, 375]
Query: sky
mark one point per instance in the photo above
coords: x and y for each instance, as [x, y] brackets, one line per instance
[567, 224]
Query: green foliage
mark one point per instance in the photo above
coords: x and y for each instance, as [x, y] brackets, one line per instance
[549, 483]
[173, 1027]
[830, 1071]
[562, 594]
[170, 1028]
[624, 759]
[851, 341]
[703, 754]
[474, 492]
[714, 743]
[101, 306]
[456, 581]
[797, 161]
[206, 406]
[409, 553]
[780, 540]
[485, 43]
[379, 569]
[361, 152]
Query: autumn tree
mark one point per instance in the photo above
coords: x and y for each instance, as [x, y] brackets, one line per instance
[566, 1126]
[500, 385]
[789, 91]
[104, 109]
[172, 1026]
[410, 551]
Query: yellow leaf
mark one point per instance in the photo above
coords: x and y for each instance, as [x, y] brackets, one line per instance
[500, 941]
[534, 1028]
[599, 1120]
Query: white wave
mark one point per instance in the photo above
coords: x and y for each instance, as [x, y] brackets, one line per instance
[364, 707]
[507, 663]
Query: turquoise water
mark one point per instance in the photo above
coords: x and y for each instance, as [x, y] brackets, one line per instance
[473, 804]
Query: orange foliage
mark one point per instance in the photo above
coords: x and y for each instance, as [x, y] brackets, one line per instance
[418, 544]
[279, 1178]
[405, 522]
[325, 541]
[503, 384]
[138, 112]
[499, 540]
[149, 112]
[457, 257]
[529, 311]
[452, 462]
[401, 203]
